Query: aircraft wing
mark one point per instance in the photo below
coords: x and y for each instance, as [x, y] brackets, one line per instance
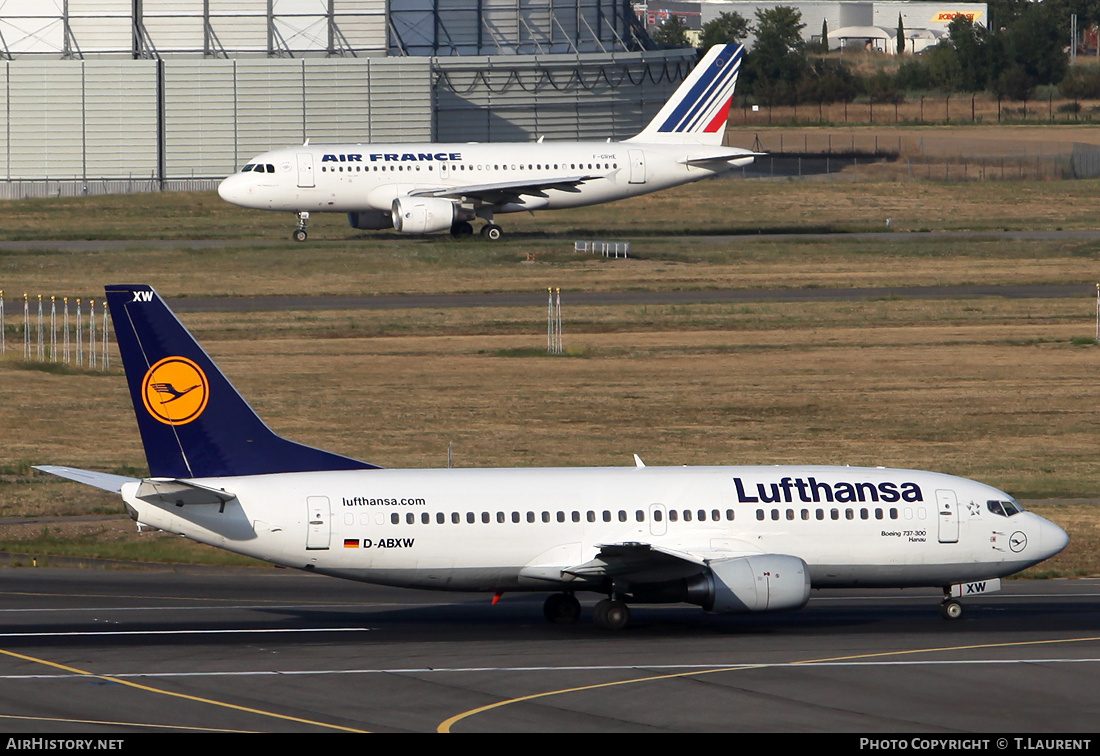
[105, 481]
[644, 562]
[507, 191]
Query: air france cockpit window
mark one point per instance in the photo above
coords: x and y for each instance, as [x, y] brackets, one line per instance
[1004, 508]
[248, 168]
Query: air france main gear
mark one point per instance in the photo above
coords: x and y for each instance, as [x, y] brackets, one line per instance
[728, 539]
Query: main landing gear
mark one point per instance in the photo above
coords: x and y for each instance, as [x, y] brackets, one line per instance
[300, 234]
[609, 614]
[489, 232]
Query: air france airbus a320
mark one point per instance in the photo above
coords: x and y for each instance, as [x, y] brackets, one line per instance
[421, 188]
[729, 539]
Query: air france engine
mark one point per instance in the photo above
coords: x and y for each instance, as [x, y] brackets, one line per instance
[422, 215]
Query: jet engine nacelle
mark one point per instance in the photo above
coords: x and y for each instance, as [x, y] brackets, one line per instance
[757, 583]
[422, 215]
[371, 220]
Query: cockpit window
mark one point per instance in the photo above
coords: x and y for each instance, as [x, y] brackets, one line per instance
[247, 168]
[1004, 508]
[270, 168]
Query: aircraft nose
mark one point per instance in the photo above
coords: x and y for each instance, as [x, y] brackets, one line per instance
[1052, 539]
[229, 188]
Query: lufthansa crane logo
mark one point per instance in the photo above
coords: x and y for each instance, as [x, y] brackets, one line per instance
[175, 391]
[1017, 542]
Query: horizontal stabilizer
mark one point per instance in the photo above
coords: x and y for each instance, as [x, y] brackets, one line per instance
[105, 481]
[180, 493]
[725, 157]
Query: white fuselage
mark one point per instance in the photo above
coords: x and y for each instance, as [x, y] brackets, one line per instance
[518, 529]
[369, 177]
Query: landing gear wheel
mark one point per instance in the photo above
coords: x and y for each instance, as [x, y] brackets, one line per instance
[300, 234]
[461, 230]
[562, 608]
[611, 615]
[491, 232]
[951, 609]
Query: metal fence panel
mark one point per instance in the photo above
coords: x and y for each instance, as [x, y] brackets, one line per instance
[269, 105]
[120, 118]
[337, 100]
[5, 127]
[45, 119]
[200, 118]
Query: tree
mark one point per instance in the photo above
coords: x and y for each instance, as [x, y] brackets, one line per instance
[727, 29]
[1035, 43]
[672, 33]
[901, 36]
[777, 63]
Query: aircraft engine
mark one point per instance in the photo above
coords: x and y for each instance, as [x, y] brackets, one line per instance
[758, 583]
[371, 220]
[422, 215]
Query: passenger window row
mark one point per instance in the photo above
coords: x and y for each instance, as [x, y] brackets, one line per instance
[833, 514]
[455, 518]
[455, 167]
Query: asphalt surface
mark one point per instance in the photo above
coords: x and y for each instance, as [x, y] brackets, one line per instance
[214, 650]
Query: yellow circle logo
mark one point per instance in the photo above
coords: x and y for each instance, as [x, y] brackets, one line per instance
[175, 391]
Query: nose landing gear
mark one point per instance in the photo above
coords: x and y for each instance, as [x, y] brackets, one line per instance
[951, 609]
[300, 234]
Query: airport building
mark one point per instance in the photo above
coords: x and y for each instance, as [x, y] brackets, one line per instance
[872, 24]
[130, 95]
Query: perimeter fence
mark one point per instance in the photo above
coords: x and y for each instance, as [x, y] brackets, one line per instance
[914, 154]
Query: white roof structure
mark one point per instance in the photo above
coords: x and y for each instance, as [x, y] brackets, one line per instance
[872, 37]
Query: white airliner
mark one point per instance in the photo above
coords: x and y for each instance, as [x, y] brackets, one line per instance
[421, 188]
[729, 539]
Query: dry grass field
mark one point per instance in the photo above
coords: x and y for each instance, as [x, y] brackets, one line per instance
[996, 389]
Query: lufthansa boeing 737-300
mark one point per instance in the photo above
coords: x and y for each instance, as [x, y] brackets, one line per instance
[421, 188]
[728, 539]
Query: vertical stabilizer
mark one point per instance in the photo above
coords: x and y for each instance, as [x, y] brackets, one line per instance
[697, 112]
[193, 422]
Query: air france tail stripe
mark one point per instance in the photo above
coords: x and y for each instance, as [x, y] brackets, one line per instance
[687, 116]
[716, 96]
[702, 89]
[712, 87]
[722, 86]
[719, 118]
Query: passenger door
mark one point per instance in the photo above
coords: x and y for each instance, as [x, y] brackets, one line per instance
[319, 524]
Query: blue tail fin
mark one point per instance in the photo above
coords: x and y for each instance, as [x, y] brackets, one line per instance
[193, 422]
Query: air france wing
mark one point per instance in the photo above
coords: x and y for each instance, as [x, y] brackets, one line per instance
[507, 191]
